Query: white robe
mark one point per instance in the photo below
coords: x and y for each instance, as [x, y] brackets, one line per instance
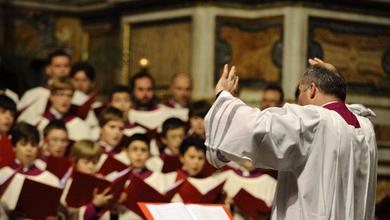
[155, 118]
[78, 99]
[77, 128]
[11, 94]
[37, 94]
[327, 168]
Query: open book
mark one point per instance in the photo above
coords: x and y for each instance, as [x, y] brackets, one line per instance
[24, 195]
[81, 189]
[180, 211]
[139, 191]
[199, 190]
[110, 165]
[58, 166]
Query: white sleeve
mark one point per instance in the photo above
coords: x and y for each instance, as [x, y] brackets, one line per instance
[278, 138]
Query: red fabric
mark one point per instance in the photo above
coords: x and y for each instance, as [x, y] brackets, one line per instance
[38, 200]
[190, 194]
[250, 205]
[171, 163]
[7, 154]
[344, 112]
[139, 191]
[29, 171]
[110, 165]
[83, 110]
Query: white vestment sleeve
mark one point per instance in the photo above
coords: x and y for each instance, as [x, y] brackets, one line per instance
[278, 138]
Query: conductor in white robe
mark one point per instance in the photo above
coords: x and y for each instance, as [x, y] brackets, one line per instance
[325, 151]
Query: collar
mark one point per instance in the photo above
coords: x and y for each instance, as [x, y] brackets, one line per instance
[328, 103]
[106, 147]
[23, 168]
[173, 104]
[168, 151]
[340, 108]
[55, 113]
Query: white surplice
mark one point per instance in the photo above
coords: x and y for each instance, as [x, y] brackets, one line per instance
[327, 168]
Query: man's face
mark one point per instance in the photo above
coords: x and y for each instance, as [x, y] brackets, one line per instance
[121, 101]
[6, 120]
[271, 98]
[56, 142]
[26, 152]
[193, 161]
[61, 100]
[138, 153]
[181, 90]
[59, 67]
[112, 132]
[143, 90]
[81, 82]
[173, 139]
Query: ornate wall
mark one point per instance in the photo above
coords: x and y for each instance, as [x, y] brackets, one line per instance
[254, 45]
[360, 51]
[273, 44]
[167, 46]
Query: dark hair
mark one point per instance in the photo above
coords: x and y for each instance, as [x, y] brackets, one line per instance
[330, 82]
[192, 141]
[275, 87]
[110, 114]
[86, 68]
[24, 132]
[57, 53]
[172, 123]
[54, 124]
[139, 76]
[118, 89]
[136, 137]
[199, 109]
[7, 103]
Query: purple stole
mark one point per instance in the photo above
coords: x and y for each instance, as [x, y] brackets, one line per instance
[29, 171]
[344, 112]
[112, 152]
[48, 115]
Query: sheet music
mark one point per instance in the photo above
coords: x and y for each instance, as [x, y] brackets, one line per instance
[200, 212]
[171, 211]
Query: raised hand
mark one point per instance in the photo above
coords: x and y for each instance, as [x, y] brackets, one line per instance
[228, 81]
[317, 61]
